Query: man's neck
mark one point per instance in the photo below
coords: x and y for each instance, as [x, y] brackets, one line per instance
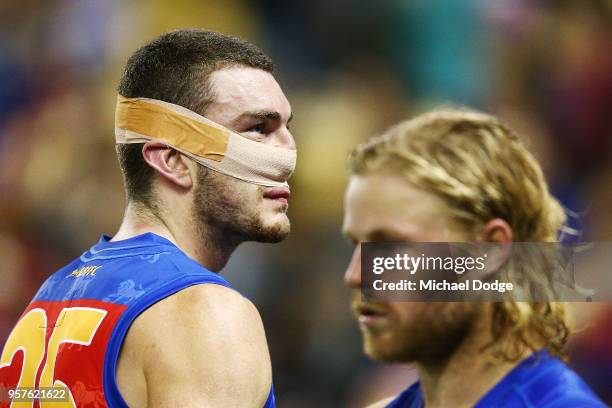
[463, 378]
[202, 246]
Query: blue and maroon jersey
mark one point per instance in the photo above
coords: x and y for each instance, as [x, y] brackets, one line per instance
[70, 335]
[540, 381]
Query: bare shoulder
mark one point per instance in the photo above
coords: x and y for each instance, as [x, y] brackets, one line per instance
[202, 303]
[209, 310]
[203, 338]
[381, 403]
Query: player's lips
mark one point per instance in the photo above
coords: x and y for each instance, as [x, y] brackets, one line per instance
[279, 194]
[369, 314]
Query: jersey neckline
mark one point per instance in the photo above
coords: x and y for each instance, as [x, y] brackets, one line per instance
[146, 239]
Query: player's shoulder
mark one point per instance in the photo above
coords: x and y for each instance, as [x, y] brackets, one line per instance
[548, 382]
[199, 315]
[208, 304]
[203, 330]
[49, 287]
[561, 387]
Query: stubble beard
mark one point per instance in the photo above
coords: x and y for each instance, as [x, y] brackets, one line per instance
[434, 335]
[232, 210]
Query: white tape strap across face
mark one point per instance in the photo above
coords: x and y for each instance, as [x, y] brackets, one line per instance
[139, 120]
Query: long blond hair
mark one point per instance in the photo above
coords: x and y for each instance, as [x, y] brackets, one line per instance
[482, 170]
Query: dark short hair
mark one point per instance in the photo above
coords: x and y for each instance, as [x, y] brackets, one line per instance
[175, 68]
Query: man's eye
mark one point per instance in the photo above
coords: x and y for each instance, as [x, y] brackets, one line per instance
[259, 128]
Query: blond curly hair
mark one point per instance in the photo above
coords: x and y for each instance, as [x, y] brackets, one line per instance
[482, 170]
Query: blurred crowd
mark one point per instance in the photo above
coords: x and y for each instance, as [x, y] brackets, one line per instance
[350, 70]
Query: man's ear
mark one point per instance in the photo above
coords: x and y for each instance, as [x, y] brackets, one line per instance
[169, 163]
[497, 230]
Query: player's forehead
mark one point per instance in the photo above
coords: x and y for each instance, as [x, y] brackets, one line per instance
[239, 89]
[383, 207]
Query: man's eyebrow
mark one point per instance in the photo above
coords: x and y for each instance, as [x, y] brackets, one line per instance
[263, 114]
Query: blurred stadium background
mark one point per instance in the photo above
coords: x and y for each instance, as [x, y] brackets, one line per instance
[350, 69]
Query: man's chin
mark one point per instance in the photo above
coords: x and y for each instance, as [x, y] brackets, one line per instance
[383, 352]
[377, 354]
[274, 233]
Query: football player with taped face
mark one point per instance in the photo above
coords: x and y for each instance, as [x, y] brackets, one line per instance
[221, 211]
[207, 214]
[144, 319]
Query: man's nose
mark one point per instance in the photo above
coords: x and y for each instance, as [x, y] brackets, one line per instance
[284, 139]
[352, 276]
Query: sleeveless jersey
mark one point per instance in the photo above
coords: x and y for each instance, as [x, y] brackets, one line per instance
[70, 335]
[540, 381]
